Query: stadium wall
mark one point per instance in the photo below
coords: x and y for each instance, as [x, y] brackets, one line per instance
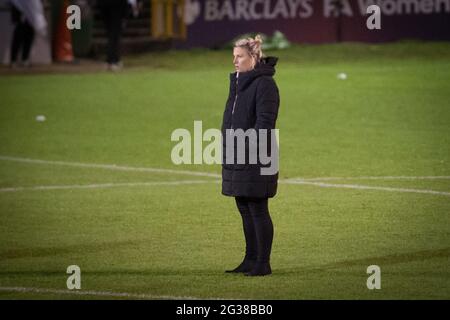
[212, 23]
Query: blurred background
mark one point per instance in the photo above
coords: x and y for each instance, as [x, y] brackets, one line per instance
[174, 24]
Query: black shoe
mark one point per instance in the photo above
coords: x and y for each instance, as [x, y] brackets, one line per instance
[246, 266]
[260, 269]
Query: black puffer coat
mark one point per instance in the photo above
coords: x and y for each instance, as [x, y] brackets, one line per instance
[253, 102]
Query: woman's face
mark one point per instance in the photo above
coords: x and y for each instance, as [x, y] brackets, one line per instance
[242, 60]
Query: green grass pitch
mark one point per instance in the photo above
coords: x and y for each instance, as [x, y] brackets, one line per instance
[373, 150]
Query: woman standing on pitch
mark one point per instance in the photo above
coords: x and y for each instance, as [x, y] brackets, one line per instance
[252, 103]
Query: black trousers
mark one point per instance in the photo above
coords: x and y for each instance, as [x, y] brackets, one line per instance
[258, 227]
[23, 36]
[113, 12]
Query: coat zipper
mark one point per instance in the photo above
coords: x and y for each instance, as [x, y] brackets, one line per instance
[234, 105]
[235, 99]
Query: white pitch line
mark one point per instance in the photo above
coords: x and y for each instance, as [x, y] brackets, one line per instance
[197, 173]
[108, 185]
[109, 166]
[375, 178]
[309, 181]
[357, 186]
[99, 293]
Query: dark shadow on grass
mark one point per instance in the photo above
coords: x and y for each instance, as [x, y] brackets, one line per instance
[422, 255]
[119, 272]
[395, 258]
[40, 252]
[380, 261]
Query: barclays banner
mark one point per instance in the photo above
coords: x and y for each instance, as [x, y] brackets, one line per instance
[212, 23]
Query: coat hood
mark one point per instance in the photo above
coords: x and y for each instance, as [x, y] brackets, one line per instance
[264, 67]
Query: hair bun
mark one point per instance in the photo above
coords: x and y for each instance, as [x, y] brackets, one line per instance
[258, 39]
[253, 46]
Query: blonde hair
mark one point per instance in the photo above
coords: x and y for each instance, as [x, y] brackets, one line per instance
[253, 46]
